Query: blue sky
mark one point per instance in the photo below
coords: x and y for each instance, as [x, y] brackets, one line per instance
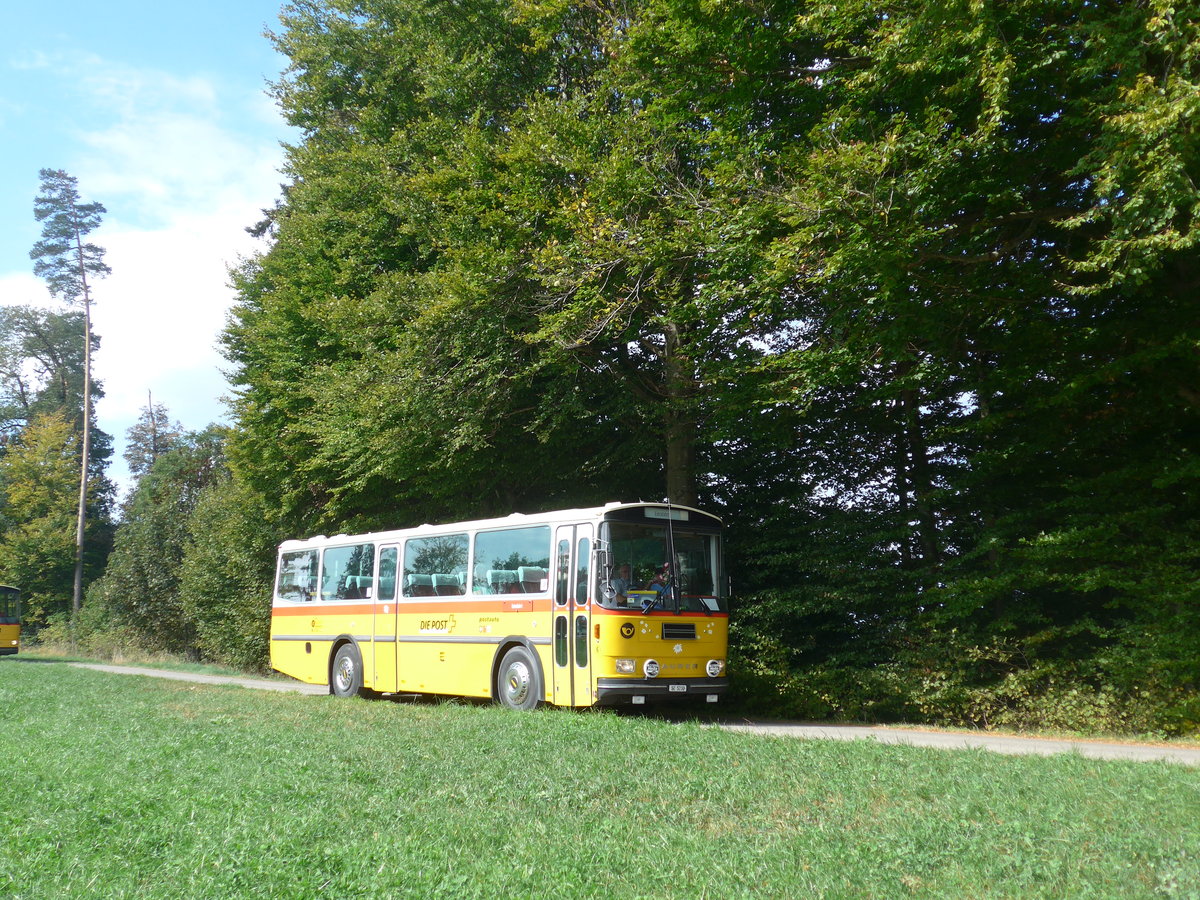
[160, 111]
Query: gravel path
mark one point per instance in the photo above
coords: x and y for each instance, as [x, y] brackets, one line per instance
[258, 684]
[997, 743]
[914, 737]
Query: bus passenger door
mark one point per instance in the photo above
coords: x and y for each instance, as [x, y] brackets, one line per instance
[563, 541]
[384, 599]
[581, 658]
[572, 618]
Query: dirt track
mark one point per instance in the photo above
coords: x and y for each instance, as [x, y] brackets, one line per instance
[914, 737]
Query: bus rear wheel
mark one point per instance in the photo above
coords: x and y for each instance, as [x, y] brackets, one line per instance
[518, 683]
[345, 679]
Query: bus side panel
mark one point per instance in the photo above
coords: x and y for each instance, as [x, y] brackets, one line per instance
[430, 667]
[545, 654]
[450, 649]
[306, 661]
[303, 637]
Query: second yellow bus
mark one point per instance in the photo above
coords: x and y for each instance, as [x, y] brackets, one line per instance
[10, 620]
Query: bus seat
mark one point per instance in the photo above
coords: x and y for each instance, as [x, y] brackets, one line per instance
[531, 578]
[503, 581]
[447, 585]
[418, 586]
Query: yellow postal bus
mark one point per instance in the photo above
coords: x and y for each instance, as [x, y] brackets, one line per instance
[620, 604]
[10, 620]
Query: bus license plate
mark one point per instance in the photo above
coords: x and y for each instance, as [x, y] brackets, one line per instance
[677, 688]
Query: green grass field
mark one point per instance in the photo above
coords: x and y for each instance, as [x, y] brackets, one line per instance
[120, 786]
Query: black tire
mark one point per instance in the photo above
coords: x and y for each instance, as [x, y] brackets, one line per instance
[519, 681]
[346, 675]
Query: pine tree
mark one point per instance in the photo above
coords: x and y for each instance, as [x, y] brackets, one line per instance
[65, 262]
[150, 437]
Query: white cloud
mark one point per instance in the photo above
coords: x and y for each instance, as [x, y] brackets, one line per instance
[175, 144]
[160, 313]
[23, 289]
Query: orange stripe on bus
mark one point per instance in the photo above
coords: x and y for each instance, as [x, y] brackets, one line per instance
[541, 604]
[657, 613]
[538, 604]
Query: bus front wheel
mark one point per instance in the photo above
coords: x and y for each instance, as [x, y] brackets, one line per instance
[519, 685]
[346, 678]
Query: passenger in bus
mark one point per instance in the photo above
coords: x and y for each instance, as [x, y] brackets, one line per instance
[661, 585]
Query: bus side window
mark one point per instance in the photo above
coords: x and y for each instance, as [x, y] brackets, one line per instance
[348, 572]
[511, 560]
[583, 559]
[387, 573]
[562, 573]
[297, 578]
[434, 566]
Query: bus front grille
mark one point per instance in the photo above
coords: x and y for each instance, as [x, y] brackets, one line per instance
[678, 631]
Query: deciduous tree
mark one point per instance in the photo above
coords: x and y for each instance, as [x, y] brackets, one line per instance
[141, 585]
[38, 481]
[907, 295]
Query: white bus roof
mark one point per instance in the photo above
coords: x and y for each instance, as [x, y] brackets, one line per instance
[515, 519]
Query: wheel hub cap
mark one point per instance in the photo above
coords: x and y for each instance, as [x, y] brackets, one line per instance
[516, 683]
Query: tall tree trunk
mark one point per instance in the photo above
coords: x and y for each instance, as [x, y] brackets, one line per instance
[987, 508]
[920, 479]
[153, 428]
[679, 422]
[903, 490]
[81, 515]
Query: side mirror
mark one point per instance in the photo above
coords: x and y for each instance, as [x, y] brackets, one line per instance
[604, 560]
[604, 567]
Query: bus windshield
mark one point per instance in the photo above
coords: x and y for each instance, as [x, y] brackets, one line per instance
[643, 575]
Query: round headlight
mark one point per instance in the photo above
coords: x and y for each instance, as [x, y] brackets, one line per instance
[650, 667]
[714, 667]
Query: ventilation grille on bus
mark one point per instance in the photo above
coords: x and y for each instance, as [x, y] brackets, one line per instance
[679, 631]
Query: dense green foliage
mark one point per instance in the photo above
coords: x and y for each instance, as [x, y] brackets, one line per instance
[134, 787]
[908, 297]
[41, 404]
[141, 586]
[40, 482]
[1005, 268]
[228, 565]
[187, 569]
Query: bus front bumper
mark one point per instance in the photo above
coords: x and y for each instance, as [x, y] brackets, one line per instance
[622, 691]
